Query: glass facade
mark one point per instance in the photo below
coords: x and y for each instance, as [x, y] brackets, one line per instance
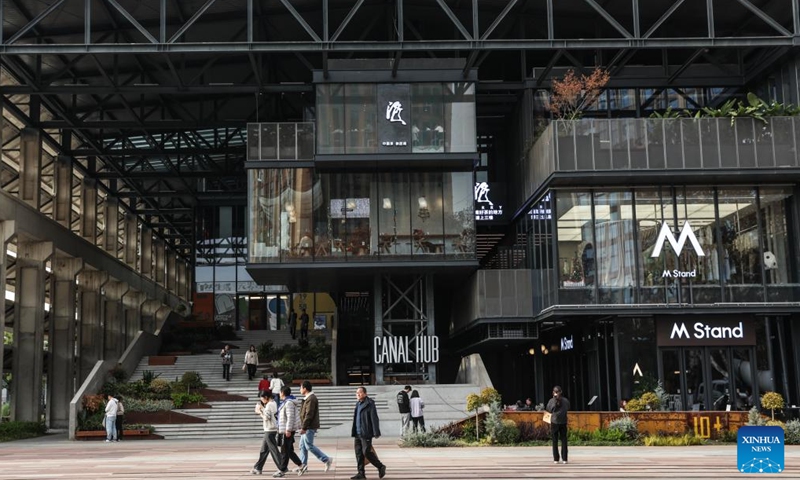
[441, 118]
[664, 245]
[302, 216]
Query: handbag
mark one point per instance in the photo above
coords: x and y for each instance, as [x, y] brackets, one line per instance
[546, 416]
[244, 367]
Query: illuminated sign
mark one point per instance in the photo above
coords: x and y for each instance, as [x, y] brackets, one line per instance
[706, 332]
[485, 209]
[567, 343]
[665, 235]
[391, 349]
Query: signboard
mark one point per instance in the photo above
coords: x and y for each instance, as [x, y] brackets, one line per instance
[689, 331]
[665, 235]
[485, 208]
[567, 343]
[394, 115]
[391, 349]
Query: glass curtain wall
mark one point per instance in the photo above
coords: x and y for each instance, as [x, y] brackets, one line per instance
[688, 245]
[301, 216]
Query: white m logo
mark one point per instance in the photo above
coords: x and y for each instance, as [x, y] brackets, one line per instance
[679, 331]
[677, 245]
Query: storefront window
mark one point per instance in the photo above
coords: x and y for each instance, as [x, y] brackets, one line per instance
[427, 118]
[540, 252]
[361, 116]
[576, 248]
[740, 264]
[459, 214]
[330, 119]
[696, 207]
[635, 343]
[615, 247]
[459, 103]
[652, 210]
[780, 265]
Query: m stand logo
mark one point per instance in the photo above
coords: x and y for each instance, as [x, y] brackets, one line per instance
[677, 245]
[760, 450]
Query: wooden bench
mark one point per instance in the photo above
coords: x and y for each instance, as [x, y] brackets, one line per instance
[313, 381]
[101, 434]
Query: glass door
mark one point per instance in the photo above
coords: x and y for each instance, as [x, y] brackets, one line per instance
[719, 363]
[671, 379]
[694, 370]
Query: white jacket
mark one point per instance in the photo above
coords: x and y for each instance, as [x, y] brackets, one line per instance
[267, 413]
[111, 408]
[289, 416]
[251, 358]
[416, 407]
[275, 385]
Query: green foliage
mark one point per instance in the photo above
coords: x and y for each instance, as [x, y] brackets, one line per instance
[662, 395]
[604, 435]
[118, 373]
[469, 431]
[754, 107]
[18, 430]
[159, 386]
[148, 376]
[109, 388]
[181, 399]
[494, 423]
[668, 113]
[671, 441]
[90, 421]
[265, 350]
[473, 402]
[634, 405]
[726, 436]
[625, 425]
[646, 383]
[576, 435]
[5, 410]
[754, 417]
[147, 405]
[193, 381]
[772, 401]
[137, 389]
[453, 430]
[490, 396]
[533, 431]
[426, 440]
[650, 400]
[791, 432]
[508, 434]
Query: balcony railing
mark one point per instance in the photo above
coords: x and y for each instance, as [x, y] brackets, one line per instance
[685, 144]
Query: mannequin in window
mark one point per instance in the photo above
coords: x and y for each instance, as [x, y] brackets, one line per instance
[587, 260]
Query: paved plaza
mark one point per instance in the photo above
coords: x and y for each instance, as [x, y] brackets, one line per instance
[55, 457]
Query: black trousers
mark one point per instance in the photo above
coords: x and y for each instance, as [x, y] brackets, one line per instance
[418, 422]
[226, 371]
[120, 420]
[559, 430]
[287, 453]
[269, 446]
[304, 333]
[364, 449]
[251, 370]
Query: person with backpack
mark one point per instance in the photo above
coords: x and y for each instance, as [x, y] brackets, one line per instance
[404, 407]
[288, 423]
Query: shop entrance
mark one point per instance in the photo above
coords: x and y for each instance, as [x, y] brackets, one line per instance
[708, 378]
[354, 339]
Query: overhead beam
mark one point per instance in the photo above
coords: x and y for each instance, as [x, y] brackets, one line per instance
[768, 19]
[346, 20]
[191, 21]
[301, 21]
[36, 21]
[663, 18]
[497, 20]
[454, 19]
[138, 26]
[610, 19]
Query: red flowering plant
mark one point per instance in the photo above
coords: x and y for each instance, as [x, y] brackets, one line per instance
[572, 95]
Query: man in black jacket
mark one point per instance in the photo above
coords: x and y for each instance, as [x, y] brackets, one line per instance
[366, 426]
[404, 406]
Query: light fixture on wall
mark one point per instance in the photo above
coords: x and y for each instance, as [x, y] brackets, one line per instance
[387, 203]
[424, 213]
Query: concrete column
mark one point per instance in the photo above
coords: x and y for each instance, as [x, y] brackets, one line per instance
[130, 253]
[377, 314]
[149, 309]
[180, 277]
[172, 271]
[160, 267]
[30, 166]
[132, 301]
[111, 230]
[26, 398]
[62, 203]
[7, 229]
[91, 336]
[431, 327]
[61, 366]
[146, 252]
[89, 210]
[113, 346]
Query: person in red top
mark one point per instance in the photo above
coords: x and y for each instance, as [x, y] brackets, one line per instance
[263, 385]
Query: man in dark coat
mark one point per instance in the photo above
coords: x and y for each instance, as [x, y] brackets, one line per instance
[293, 324]
[304, 325]
[366, 426]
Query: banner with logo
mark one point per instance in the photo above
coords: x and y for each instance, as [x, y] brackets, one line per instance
[760, 449]
[702, 331]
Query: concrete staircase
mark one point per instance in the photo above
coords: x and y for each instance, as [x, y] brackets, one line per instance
[236, 419]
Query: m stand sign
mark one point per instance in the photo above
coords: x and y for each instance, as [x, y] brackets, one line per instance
[665, 235]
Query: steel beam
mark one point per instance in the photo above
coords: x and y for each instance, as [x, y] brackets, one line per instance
[497, 20]
[610, 19]
[301, 21]
[132, 21]
[456, 22]
[663, 18]
[346, 20]
[768, 19]
[36, 21]
[200, 11]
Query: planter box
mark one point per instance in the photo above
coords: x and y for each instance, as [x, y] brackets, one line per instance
[162, 360]
[101, 435]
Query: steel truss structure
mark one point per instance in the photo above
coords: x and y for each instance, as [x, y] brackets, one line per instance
[150, 97]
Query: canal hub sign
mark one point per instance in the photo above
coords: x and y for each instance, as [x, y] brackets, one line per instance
[405, 349]
[689, 332]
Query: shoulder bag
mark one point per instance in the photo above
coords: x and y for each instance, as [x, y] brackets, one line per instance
[546, 416]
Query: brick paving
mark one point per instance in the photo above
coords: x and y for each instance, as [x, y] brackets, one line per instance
[54, 457]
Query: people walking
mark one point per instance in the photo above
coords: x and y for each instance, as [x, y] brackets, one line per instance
[251, 361]
[263, 385]
[366, 427]
[304, 325]
[288, 423]
[111, 418]
[275, 385]
[267, 409]
[309, 424]
[417, 418]
[120, 417]
[404, 407]
[293, 324]
[558, 406]
[227, 362]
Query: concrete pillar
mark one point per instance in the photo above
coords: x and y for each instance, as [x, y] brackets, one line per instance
[377, 314]
[431, 326]
[61, 366]
[113, 346]
[172, 271]
[91, 318]
[130, 253]
[159, 251]
[180, 277]
[89, 210]
[7, 229]
[26, 398]
[132, 301]
[111, 230]
[62, 203]
[149, 309]
[146, 252]
[30, 166]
